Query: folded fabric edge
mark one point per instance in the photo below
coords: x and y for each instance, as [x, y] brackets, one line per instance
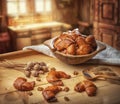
[40, 48]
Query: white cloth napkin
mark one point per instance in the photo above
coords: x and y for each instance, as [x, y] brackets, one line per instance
[109, 56]
[41, 48]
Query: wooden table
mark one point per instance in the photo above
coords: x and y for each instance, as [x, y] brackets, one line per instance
[107, 93]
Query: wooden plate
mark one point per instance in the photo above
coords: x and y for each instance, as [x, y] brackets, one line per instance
[73, 59]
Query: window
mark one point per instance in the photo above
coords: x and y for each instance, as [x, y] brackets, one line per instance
[15, 7]
[28, 11]
[19, 6]
[42, 6]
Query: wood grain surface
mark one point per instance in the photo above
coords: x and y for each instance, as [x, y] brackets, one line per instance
[107, 93]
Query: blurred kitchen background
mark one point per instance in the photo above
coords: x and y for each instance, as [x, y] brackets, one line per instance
[31, 22]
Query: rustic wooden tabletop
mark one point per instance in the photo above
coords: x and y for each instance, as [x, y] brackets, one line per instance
[107, 93]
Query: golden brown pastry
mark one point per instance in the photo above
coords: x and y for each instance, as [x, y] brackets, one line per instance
[87, 86]
[54, 77]
[84, 49]
[80, 41]
[57, 42]
[50, 92]
[63, 44]
[90, 88]
[71, 49]
[21, 84]
[91, 40]
[66, 36]
[79, 87]
[73, 43]
[74, 36]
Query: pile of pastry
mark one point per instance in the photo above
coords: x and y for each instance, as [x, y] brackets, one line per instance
[74, 43]
[54, 77]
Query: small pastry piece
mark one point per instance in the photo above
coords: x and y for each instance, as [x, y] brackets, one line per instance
[75, 36]
[91, 91]
[91, 40]
[87, 86]
[63, 35]
[66, 36]
[63, 44]
[79, 87]
[18, 83]
[21, 84]
[57, 42]
[61, 74]
[27, 86]
[88, 83]
[84, 49]
[71, 49]
[55, 76]
[50, 92]
[57, 83]
[64, 51]
[90, 88]
[80, 41]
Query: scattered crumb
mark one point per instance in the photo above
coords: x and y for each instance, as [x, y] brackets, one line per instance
[27, 73]
[41, 72]
[53, 68]
[75, 72]
[29, 93]
[38, 79]
[40, 88]
[66, 98]
[66, 89]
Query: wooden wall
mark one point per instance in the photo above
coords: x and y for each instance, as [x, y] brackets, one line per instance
[65, 13]
[3, 12]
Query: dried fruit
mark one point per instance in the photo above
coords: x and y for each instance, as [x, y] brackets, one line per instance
[36, 67]
[66, 98]
[45, 68]
[29, 93]
[53, 68]
[42, 63]
[35, 73]
[38, 79]
[27, 73]
[30, 64]
[40, 88]
[75, 72]
[41, 72]
[66, 89]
